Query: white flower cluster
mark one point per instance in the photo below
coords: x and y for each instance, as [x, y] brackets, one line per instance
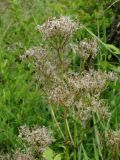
[87, 48]
[38, 137]
[93, 81]
[35, 52]
[22, 156]
[64, 26]
[60, 94]
[68, 90]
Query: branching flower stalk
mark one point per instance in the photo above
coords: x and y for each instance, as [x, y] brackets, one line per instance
[80, 90]
[59, 33]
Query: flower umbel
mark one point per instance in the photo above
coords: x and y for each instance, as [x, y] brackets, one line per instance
[64, 26]
[87, 49]
[38, 137]
[38, 53]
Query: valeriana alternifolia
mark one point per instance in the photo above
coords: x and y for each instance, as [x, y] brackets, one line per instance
[87, 48]
[63, 26]
[38, 137]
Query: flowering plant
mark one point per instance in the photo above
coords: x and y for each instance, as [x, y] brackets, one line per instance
[76, 92]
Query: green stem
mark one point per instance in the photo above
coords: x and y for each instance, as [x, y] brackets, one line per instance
[75, 140]
[97, 138]
[75, 136]
[54, 118]
[66, 135]
[70, 135]
[60, 56]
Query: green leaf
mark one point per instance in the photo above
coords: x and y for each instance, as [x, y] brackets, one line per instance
[58, 157]
[97, 138]
[116, 69]
[85, 153]
[110, 66]
[48, 154]
[113, 48]
[96, 152]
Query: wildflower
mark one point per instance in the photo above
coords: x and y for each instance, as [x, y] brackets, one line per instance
[87, 48]
[38, 53]
[88, 81]
[87, 107]
[60, 94]
[58, 32]
[41, 136]
[73, 81]
[22, 156]
[84, 112]
[93, 81]
[47, 73]
[37, 136]
[50, 68]
[63, 26]
[100, 107]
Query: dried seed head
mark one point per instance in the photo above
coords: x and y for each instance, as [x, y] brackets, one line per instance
[63, 26]
[87, 48]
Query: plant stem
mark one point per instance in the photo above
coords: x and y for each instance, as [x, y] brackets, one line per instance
[60, 56]
[54, 118]
[75, 136]
[70, 135]
[75, 140]
[66, 135]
